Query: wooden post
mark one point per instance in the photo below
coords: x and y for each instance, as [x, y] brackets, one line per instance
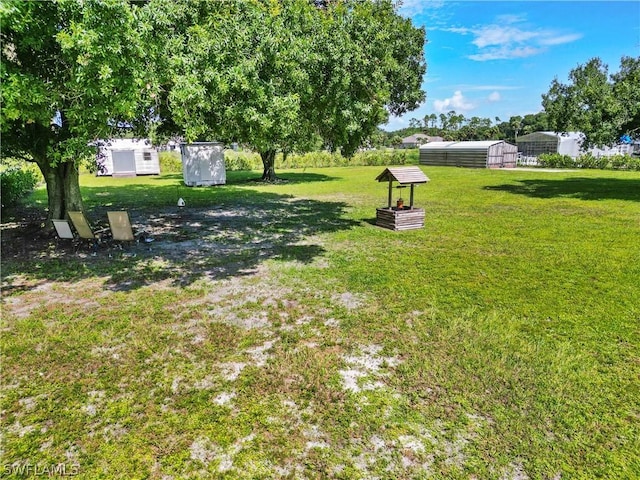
[411, 197]
[390, 192]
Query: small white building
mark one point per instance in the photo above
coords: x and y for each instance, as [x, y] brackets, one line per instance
[127, 157]
[570, 143]
[537, 143]
[203, 164]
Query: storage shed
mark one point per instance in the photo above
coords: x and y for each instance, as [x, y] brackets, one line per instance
[537, 143]
[203, 164]
[127, 157]
[479, 154]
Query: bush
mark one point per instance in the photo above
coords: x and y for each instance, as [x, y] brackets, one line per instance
[625, 162]
[15, 183]
[235, 161]
[556, 160]
[316, 159]
[633, 163]
[170, 162]
[588, 160]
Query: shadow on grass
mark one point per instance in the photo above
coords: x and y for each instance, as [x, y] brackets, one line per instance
[580, 188]
[248, 177]
[222, 232]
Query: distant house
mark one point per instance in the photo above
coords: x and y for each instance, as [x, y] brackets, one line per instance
[414, 141]
[127, 157]
[570, 143]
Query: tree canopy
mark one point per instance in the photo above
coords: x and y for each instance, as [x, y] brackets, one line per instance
[292, 74]
[456, 127]
[71, 73]
[279, 75]
[603, 107]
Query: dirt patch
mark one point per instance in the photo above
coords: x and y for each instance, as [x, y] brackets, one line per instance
[182, 245]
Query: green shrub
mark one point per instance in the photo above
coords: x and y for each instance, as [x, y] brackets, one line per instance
[316, 159]
[322, 159]
[625, 162]
[588, 160]
[633, 163]
[236, 161]
[170, 162]
[15, 183]
[556, 160]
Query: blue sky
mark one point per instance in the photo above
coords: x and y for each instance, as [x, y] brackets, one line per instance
[496, 58]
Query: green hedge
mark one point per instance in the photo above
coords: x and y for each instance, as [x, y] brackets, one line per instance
[234, 161]
[15, 183]
[322, 159]
[170, 162]
[588, 160]
[556, 160]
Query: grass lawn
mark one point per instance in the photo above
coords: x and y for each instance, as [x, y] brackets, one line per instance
[273, 331]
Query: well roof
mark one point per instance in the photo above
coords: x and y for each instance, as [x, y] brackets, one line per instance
[403, 175]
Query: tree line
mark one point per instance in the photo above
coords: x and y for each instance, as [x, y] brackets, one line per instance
[604, 107]
[456, 127]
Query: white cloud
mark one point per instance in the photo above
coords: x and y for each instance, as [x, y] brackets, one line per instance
[510, 18]
[456, 102]
[397, 123]
[505, 53]
[559, 40]
[496, 35]
[494, 97]
[487, 87]
[503, 39]
[411, 8]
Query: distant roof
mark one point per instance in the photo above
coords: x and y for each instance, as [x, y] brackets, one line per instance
[562, 136]
[460, 145]
[403, 175]
[565, 134]
[415, 138]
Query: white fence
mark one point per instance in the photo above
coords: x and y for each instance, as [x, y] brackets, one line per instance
[527, 161]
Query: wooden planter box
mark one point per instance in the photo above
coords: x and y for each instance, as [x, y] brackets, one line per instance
[404, 219]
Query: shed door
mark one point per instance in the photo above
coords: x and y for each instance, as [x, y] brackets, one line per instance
[205, 169]
[124, 161]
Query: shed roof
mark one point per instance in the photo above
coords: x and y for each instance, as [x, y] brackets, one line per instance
[535, 136]
[480, 144]
[421, 137]
[403, 175]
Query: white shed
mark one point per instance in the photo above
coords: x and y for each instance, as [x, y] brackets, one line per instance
[203, 164]
[127, 157]
[478, 154]
[537, 143]
[570, 143]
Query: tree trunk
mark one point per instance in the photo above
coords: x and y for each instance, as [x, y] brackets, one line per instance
[63, 188]
[268, 162]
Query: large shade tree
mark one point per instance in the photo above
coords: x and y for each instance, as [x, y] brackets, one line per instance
[603, 107]
[72, 72]
[240, 73]
[281, 75]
